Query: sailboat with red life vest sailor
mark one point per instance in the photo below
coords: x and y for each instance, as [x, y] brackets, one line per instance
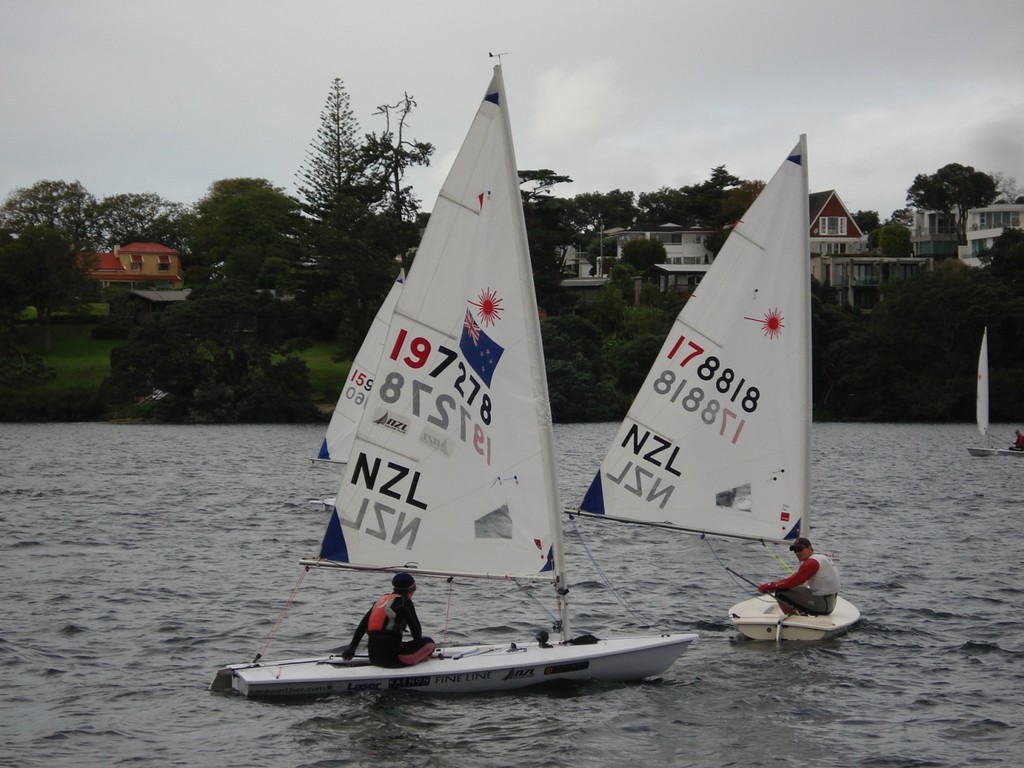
[717, 442]
[452, 469]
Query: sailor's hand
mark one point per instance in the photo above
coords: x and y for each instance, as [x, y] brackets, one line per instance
[765, 587]
[348, 653]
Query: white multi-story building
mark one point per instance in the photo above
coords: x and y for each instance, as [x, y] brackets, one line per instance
[984, 225]
[682, 245]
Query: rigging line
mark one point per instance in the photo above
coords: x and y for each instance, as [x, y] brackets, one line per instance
[538, 603]
[611, 587]
[727, 569]
[447, 613]
[774, 556]
[280, 617]
[739, 575]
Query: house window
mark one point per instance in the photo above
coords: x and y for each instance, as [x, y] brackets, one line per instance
[940, 224]
[865, 274]
[832, 225]
[903, 271]
[164, 267]
[865, 298]
[136, 266]
[829, 248]
[994, 219]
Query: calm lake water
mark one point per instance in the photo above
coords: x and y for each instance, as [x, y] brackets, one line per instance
[138, 559]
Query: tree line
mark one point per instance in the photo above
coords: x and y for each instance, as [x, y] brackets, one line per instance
[334, 248]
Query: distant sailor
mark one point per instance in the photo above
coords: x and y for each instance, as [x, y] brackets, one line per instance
[385, 623]
[1018, 444]
[812, 589]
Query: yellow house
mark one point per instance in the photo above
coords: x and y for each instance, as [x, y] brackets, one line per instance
[138, 264]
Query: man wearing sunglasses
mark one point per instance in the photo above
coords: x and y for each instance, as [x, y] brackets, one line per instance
[812, 589]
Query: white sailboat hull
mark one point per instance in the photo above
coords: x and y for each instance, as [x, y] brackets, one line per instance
[760, 618]
[994, 452]
[472, 669]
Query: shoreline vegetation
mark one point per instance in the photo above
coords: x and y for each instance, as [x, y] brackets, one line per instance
[80, 363]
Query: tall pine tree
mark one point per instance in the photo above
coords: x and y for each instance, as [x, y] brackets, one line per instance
[336, 196]
[359, 214]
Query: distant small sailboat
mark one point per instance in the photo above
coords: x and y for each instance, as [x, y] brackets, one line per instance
[452, 470]
[981, 409]
[718, 439]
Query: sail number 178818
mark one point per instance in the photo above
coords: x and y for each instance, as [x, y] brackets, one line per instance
[691, 395]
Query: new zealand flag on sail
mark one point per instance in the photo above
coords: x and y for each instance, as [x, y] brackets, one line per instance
[480, 350]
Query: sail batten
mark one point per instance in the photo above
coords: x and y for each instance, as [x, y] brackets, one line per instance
[461, 203]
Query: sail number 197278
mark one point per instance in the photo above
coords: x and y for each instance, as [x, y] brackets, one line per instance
[732, 389]
[436, 401]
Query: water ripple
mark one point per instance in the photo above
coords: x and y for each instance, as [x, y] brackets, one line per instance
[127, 586]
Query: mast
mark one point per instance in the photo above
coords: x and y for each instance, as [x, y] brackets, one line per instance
[540, 383]
[805, 383]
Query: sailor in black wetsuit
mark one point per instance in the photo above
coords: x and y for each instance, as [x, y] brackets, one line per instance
[385, 623]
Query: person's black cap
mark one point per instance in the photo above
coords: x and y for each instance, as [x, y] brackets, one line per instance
[403, 582]
[801, 542]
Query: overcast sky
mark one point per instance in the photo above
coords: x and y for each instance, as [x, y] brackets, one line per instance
[168, 96]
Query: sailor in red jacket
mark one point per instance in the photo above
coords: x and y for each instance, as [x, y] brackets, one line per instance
[812, 589]
[385, 623]
[1018, 443]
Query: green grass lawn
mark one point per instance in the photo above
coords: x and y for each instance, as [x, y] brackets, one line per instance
[82, 363]
[325, 375]
[79, 360]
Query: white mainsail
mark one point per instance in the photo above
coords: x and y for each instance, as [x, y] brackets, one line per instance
[352, 400]
[982, 401]
[452, 467]
[718, 438]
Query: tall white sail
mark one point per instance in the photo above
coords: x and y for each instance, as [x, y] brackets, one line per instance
[351, 402]
[718, 438]
[452, 469]
[982, 402]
